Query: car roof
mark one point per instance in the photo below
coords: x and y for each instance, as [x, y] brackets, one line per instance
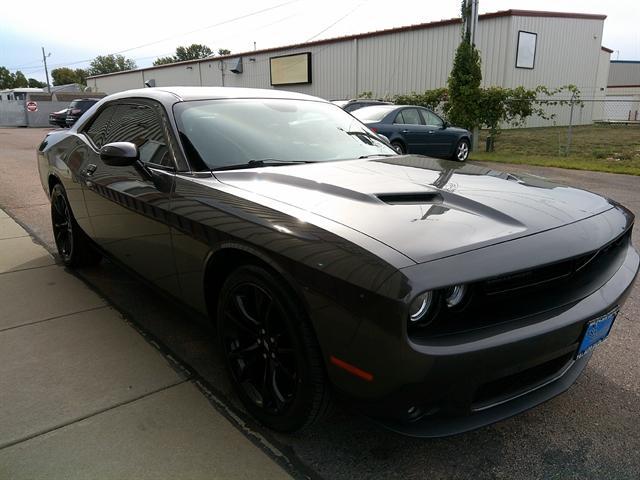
[209, 93]
[168, 96]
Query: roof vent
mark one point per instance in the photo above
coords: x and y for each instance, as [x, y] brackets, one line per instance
[238, 67]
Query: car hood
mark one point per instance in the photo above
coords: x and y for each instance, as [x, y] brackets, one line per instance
[422, 207]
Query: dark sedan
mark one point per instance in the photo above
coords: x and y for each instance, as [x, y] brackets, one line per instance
[412, 129]
[435, 296]
[355, 104]
[77, 108]
[59, 118]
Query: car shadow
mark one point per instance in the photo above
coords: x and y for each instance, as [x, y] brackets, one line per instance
[590, 431]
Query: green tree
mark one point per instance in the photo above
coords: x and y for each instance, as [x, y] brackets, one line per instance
[6, 79]
[432, 99]
[19, 80]
[65, 76]
[463, 105]
[192, 52]
[103, 64]
[224, 51]
[164, 61]
[33, 83]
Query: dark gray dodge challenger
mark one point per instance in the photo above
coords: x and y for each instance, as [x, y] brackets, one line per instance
[436, 297]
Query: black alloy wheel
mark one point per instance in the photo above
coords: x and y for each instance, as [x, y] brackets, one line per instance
[270, 352]
[62, 223]
[74, 247]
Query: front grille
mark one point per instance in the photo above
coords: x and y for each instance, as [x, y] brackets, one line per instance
[549, 273]
[531, 293]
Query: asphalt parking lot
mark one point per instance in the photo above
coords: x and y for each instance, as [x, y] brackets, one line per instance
[591, 431]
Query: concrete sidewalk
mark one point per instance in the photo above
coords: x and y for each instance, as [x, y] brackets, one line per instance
[83, 395]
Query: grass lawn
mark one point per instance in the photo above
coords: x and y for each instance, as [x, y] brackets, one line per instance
[602, 148]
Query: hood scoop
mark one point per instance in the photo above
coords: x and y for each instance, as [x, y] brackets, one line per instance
[418, 198]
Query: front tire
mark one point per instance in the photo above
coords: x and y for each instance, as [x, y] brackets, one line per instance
[461, 152]
[74, 247]
[270, 351]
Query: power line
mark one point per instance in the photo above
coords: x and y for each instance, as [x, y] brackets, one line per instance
[26, 65]
[224, 22]
[208, 27]
[336, 22]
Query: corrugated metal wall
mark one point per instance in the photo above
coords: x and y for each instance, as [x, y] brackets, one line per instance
[624, 73]
[601, 86]
[568, 52]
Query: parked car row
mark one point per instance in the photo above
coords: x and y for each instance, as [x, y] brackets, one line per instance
[70, 115]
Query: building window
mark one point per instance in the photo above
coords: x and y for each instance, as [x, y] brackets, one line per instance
[526, 52]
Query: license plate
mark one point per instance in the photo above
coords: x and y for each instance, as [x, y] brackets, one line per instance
[597, 331]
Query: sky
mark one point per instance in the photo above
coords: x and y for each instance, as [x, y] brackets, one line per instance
[143, 31]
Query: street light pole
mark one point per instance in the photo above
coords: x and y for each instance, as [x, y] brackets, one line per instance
[46, 71]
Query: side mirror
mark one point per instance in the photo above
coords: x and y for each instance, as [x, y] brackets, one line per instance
[445, 125]
[384, 138]
[119, 154]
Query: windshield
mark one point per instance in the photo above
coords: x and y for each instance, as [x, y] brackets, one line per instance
[219, 133]
[373, 114]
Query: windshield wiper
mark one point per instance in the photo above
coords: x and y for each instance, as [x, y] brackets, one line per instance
[266, 162]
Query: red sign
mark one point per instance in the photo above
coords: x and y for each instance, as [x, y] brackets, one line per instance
[32, 106]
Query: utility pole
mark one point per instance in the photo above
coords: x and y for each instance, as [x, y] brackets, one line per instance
[470, 27]
[471, 22]
[46, 71]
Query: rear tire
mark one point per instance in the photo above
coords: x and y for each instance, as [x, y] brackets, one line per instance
[74, 247]
[271, 353]
[399, 147]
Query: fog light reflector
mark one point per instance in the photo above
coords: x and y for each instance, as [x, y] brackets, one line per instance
[455, 295]
[420, 306]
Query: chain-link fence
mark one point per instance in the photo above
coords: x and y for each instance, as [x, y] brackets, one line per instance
[597, 128]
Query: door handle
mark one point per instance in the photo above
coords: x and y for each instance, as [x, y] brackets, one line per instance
[90, 169]
[404, 131]
[430, 132]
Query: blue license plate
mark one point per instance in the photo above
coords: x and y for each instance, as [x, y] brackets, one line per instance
[597, 331]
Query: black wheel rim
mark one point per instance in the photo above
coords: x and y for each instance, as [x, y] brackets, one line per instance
[259, 348]
[62, 225]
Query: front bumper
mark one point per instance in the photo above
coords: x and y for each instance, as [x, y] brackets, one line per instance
[434, 426]
[464, 383]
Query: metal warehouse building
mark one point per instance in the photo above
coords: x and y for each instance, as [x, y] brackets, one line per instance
[517, 47]
[624, 88]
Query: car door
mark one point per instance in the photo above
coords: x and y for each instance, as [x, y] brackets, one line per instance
[129, 205]
[78, 159]
[440, 140]
[413, 131]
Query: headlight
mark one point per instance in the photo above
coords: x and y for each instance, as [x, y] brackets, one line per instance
[455, 295]
[420, 306]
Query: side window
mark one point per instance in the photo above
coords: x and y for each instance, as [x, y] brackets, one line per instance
[142, 126]
[97, 131]
[432, 119]
[408, 116]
